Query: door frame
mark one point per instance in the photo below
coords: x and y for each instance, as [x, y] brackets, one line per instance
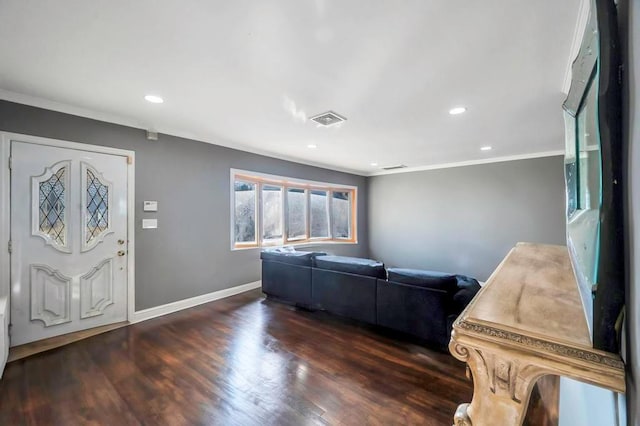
[5, 211]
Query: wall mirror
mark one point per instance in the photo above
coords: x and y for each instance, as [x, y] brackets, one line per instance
[593, 176]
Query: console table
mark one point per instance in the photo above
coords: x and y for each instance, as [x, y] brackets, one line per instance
[526, 322]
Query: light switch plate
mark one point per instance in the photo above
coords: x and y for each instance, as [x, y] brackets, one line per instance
[150, 206]
[149, 223]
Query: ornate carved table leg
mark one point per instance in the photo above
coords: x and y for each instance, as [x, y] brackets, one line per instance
[461, 418]
[502, 386]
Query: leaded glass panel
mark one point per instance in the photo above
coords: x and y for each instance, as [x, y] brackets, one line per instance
[97, 206]
[52, 207]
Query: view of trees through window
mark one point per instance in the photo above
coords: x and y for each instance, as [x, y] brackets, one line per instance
[340, 205]
[319, 214]
[290, 214]
[272, 226]
[297, 214]
[245, 203]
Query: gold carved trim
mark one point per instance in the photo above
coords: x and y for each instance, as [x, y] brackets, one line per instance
[556, 348]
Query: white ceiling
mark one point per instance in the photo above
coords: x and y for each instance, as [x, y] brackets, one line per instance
[249, 74]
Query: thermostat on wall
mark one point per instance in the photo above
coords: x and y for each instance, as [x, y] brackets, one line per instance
[150, 206]
[149, 223]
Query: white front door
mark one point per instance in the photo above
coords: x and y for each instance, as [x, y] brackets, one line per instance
[69, 240]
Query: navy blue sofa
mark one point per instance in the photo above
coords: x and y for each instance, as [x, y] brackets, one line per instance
[421, 303]
[410, 296]
[346, 286]
[286, 275]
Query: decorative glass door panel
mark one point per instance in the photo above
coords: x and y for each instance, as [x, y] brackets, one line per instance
[69, 240]
[49, 193]
[96, 203]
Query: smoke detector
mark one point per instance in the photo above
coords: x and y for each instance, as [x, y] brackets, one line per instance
[328, 118]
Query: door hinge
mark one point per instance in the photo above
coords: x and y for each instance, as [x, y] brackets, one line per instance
[10, 162]
[10, 246]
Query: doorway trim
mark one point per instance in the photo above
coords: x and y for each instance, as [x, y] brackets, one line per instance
[5, 201]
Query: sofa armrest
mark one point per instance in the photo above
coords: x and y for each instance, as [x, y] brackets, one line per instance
[467, 289]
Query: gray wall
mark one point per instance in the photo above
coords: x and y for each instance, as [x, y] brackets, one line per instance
[189, 254]
[465, 219]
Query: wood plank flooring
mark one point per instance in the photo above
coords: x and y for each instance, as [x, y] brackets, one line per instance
[28, 349]
[242, 361]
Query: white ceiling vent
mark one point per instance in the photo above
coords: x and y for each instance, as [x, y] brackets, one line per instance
[397, 166]
[328, 118]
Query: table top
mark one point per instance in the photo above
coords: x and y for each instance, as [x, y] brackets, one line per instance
[534, 292]
[531, 309]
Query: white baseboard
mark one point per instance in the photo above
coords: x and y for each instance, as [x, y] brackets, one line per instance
[158, 311]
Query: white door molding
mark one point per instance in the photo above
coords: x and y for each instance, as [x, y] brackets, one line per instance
[5, 202]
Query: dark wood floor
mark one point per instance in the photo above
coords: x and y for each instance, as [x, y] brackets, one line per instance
[237, 361]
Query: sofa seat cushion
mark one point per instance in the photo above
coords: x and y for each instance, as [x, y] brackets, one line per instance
[300, 258]
[427, 279]
[351, 265]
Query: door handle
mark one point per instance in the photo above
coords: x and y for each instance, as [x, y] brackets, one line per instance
[121, 253]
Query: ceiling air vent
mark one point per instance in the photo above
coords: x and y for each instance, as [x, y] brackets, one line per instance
[328, 118]
[397, 166]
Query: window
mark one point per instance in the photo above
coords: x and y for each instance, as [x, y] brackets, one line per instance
[245, 213]
[272, 222]
[340, 205]
[296, 214]
[274, 210]
[319, 214]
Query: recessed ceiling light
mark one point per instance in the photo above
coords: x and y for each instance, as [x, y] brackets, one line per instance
[312, 146]
[154, 99]
[485, 148]
[457, 110]
[374, 164]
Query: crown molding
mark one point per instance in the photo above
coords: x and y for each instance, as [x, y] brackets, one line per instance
[129, 122]
[470, 162]
[38, 102]
[578, 33]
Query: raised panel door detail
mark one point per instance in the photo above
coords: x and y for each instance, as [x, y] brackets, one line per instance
[50, 296]
[97, 205]
[69, 229]
[50, 198]
[96, 289]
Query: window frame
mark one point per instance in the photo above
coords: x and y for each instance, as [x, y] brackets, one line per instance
[273, 242]
[286, 183]
[350, 218]
[327, 208]
[247, 244]
[307, 216]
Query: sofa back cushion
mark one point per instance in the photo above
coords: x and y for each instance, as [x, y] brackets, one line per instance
[427, 279]
[351, 265]
[300, 258]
